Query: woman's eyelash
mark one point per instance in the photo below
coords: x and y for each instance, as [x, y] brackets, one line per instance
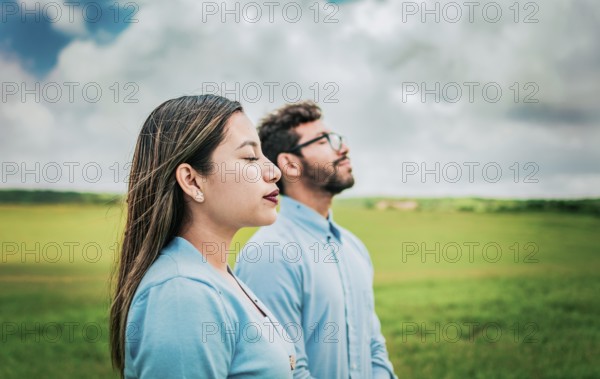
[251, 158]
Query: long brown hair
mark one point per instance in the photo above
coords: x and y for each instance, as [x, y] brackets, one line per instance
[183, 130]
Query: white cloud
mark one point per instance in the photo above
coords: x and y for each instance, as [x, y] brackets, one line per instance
[367, 55]
[65, 17]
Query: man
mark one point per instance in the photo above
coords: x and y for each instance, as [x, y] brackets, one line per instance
[315, 276]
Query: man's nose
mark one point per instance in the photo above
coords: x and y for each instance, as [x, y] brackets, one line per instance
[344, 150]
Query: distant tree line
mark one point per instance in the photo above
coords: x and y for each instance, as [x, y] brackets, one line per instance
[56, 197]
[471, 204]
[481, 205]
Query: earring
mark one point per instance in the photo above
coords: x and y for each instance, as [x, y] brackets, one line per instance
[199, 196]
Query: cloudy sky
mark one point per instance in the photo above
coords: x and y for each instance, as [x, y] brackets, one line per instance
[494, 99]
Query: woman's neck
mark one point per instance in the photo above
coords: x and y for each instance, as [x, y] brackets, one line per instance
[213, 243]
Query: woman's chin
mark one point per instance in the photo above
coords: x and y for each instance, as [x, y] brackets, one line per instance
[267, 218]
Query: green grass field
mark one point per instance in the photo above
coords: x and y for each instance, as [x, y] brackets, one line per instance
[459, 295]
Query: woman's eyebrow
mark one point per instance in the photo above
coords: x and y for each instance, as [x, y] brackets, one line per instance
[246, 143]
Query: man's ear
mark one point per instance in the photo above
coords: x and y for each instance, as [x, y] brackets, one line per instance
[190, 181]
[290, 166]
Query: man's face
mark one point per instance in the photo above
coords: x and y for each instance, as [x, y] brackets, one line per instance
[322, 166]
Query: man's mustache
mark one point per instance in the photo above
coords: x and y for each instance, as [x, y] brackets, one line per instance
[339, 160]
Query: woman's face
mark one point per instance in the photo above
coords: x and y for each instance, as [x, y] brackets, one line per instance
[241, 191]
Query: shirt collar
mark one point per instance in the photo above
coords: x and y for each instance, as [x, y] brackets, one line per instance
[309, 217]
[190, 261]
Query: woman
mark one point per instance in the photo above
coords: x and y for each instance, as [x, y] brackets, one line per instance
[198, 175]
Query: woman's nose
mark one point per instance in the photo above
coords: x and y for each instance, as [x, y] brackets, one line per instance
[272, 173]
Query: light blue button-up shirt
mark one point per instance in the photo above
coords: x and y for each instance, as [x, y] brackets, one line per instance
[317, 278]
[186, 321]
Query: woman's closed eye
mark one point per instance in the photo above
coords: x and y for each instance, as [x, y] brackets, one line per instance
[252, 159]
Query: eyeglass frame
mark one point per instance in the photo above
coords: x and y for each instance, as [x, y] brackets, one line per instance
[325, 135]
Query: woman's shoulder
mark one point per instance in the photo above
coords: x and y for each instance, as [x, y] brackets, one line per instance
[179, 267]
[174, 319]
[177, 287]
[180, 302]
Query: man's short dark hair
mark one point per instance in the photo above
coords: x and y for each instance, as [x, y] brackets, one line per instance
[277, 130]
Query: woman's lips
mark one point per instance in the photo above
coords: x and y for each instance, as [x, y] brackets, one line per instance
[272, 197]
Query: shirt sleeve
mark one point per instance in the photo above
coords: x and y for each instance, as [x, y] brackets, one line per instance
[381, 367]
[278, 284]
[380, 363]
[175, 330]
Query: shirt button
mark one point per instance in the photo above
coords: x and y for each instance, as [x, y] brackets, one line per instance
[353, 366]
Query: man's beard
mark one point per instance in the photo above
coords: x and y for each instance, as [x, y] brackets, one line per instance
[328, 177]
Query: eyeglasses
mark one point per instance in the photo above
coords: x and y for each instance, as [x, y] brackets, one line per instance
[335, 140]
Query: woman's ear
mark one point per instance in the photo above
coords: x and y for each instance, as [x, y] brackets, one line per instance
[189, 180]
[290, 166]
